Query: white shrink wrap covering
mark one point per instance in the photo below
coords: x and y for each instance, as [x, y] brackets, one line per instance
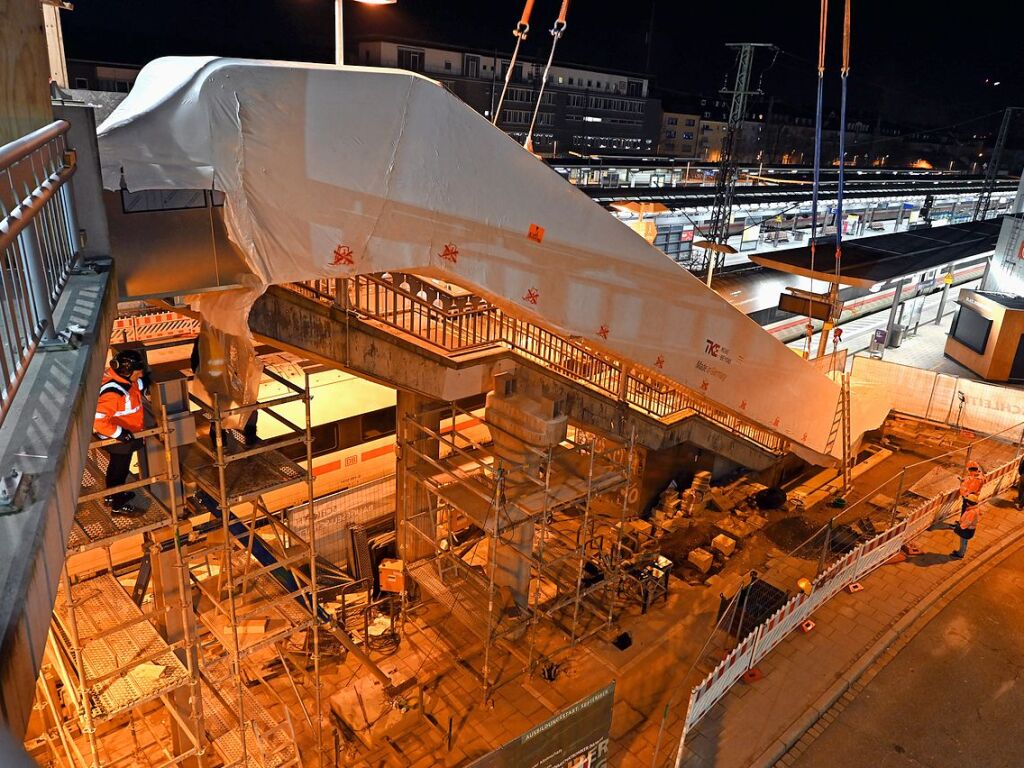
[329, 172]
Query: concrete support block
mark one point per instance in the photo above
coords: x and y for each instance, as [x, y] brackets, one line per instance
[724, 545]
[701, 559]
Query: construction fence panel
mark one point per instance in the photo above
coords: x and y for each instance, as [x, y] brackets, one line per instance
[722, 677]
[853, 566]
[980, 407]
[880, 549]
[781, 623]
[942, 398]
[907, 389]
[989, 408]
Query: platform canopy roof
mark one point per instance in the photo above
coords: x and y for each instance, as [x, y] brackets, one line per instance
[872, 260]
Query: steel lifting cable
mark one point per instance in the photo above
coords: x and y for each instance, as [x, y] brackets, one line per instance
[842, 137]
[822, 33]
[520, 32]
[556, 34]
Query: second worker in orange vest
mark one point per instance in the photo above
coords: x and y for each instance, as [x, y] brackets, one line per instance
[972, 483]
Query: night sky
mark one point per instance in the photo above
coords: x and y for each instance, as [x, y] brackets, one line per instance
[917, 64]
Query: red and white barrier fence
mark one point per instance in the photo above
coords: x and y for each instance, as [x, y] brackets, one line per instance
[152, 326]
[848, 569]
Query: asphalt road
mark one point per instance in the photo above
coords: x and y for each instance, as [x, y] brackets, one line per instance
[954, 696]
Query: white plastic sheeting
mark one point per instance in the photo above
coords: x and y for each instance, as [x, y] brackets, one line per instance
[329, 172]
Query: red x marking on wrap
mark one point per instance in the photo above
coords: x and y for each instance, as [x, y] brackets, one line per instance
[450, 253]
[532, 296]
[343, 256]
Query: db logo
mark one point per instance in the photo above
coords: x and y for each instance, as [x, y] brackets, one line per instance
[712, 348]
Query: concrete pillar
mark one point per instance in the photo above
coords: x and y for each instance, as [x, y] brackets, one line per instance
[170, 391]
[519, 421]
[171, 617]
[416, 515]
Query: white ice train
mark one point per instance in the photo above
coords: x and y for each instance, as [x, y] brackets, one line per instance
[353, 427]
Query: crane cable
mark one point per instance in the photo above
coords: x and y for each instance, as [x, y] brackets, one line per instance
[822, 34]
[844, 75]
[520, 32]
[556, 34]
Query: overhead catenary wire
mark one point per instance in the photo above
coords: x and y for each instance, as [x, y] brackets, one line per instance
[557, 30]
[520, 32]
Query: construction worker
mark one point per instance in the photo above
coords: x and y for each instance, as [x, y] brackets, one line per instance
[972, 483]
[967, 524]
[1020, 485]
[119, 415]
[249, 429]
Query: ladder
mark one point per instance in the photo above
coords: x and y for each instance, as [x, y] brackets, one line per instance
[841, 430]
[844, 400]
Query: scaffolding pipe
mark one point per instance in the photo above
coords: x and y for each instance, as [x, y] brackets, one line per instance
[227, 569]
[76, 651]
[187, 615]
[314, 592]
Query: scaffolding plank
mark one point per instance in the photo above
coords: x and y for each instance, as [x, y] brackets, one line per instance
[569, 482]
[245, 479]
[266, 743]
[114, 634]
[96, 526]
[465, 602]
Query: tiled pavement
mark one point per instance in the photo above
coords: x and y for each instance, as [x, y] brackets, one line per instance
[755, 723]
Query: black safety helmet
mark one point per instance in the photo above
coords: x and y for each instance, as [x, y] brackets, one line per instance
[126, 362]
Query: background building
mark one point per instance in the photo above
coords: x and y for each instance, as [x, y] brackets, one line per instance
[583, 110]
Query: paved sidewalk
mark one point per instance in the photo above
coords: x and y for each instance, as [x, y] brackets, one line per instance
[756, 723]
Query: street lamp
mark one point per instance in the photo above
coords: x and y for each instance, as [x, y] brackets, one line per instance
[339, 26]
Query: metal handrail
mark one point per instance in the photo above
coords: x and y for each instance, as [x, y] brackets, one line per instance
[38, 246]
[478, 323]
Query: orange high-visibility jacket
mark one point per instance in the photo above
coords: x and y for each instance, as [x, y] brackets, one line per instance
[972, 484]
[970, 517]
[119, 406]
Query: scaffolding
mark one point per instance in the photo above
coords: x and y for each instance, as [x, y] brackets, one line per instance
[112, 659]
[256, 580]
[563, 524]
[165, 654]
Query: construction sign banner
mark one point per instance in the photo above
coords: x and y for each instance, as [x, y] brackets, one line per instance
[574, 738]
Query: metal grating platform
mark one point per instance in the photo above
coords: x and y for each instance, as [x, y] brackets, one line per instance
[94, 524]
[464, 601]
[267, 744]
[569, 484]
[114, 634]
[245, 479]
